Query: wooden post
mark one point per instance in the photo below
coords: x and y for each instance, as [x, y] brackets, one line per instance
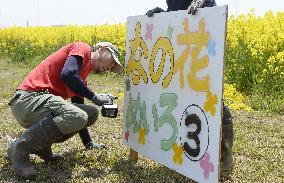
[133, 156]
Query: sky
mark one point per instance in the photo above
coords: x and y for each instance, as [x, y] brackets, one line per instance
[96, 12]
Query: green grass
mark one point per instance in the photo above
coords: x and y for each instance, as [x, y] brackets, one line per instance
[258, 147]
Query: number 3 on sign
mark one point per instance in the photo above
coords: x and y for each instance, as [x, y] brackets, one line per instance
[194, 132]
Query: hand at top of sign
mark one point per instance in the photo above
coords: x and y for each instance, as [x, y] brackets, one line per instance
[151, 12]
[194, 5]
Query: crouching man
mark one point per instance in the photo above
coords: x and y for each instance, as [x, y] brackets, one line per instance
[40, 105]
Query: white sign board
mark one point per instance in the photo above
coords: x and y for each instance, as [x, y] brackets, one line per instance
[174, 87]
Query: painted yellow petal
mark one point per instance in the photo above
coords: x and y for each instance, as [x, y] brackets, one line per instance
[180, 160]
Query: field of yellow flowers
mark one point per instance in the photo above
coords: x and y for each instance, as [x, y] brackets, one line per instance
[23, 44]
[255, 58]
[254, 53]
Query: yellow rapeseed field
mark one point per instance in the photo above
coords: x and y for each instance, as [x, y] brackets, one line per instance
[21, 44]
[255, 52]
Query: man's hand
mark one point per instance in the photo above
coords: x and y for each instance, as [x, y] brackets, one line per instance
[194, 5]
[100, 99]
[112, 97]
[150, 13]
[93, 145]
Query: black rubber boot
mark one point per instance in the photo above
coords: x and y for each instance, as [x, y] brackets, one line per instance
[19, 156]
[227, 161]
[37, 138]
[47, 155]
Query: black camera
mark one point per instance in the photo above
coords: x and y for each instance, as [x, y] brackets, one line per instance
[110, 110]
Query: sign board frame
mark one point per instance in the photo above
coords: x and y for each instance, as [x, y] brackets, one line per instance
[174, 88]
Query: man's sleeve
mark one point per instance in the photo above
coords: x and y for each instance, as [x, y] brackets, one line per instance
[71, 78]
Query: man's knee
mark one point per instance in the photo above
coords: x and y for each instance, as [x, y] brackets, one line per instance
[92, 112]
[82, 119]
[78, 121]
[73, 122]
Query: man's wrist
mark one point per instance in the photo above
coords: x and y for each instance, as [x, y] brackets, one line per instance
[89, 145]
